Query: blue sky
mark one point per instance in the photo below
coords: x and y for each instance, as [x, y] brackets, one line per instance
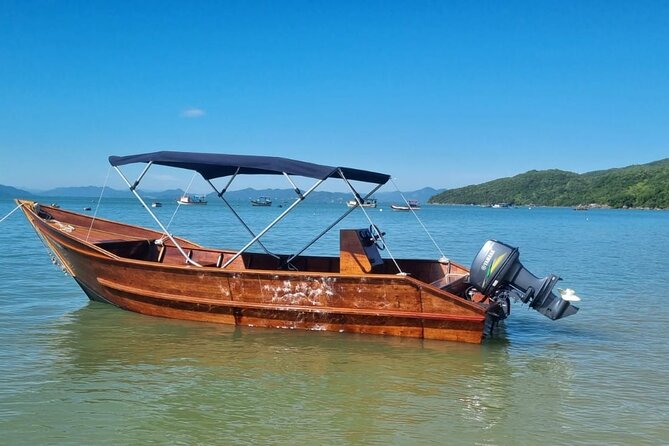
[440, 94]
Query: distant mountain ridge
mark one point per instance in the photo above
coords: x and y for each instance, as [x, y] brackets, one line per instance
[12, 192]
[236, 195]
[642, 185]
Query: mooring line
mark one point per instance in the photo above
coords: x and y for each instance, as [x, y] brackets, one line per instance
[10, 213]
[174, 214]
[443, 258]
[95, 214]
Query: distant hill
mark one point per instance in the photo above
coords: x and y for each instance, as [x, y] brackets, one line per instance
[329, 197]
[234, 195]
[422, 195]
[94, 192]
[84, 191]
[645, 185]
[12, 192]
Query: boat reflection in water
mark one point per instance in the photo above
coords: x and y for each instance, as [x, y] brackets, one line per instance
[169, 361]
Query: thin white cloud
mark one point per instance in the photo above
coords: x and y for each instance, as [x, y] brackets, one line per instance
[193, 112]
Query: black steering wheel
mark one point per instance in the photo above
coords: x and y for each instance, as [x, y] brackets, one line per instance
[377, 237]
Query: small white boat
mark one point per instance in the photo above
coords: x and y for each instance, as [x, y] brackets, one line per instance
[261, 201]
[156, 204]
[368, 203]
[412, 204]
[192, 199]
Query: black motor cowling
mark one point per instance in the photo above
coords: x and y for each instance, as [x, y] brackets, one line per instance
[497, 273]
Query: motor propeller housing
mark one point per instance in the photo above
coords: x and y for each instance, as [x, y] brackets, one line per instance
[497, 273]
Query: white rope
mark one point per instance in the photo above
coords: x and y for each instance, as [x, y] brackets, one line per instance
[97, 206]
[65, 227]
[174, 214]
[443, 256]
[11, 212]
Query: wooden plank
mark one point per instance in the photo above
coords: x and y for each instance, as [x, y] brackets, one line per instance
[353, 259]
[284, 307]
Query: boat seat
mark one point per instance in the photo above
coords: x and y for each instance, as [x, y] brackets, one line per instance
[206, 257]
[170, 255]
[447, 279]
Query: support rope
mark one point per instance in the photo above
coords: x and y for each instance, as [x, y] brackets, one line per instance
[443, 256]
[11, 212]
[174, 214]
[97, 206]
[372, 226]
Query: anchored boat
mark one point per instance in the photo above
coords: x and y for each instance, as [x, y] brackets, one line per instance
[409, 205]
[261, 201]
[368, 203]
[188, 199]
[359, 291]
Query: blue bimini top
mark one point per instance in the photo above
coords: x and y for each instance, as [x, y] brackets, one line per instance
[216, 165]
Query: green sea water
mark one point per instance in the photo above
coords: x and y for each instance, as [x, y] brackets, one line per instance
[79, 372]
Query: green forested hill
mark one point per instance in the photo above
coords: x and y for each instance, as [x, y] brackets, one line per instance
[645, 185]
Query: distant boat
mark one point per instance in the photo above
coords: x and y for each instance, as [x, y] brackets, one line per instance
[500, 205]
[87, 208]
[368, 203]
[156, 204]
[192, 199]
[582, 207]
[412, 204]
[261, 201]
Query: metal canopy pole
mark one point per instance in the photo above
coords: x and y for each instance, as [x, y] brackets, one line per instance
[132, 189]
[220, 194]
[295, 188]
[333, 224]
[141, 175]
[297, 201]
[372, 225]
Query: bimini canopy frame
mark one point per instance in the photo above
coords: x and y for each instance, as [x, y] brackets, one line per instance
[213, 165]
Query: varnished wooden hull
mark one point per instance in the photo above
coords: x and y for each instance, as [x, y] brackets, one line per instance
[382, 304]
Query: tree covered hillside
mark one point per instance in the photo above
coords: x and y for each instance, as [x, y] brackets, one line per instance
[645, 185]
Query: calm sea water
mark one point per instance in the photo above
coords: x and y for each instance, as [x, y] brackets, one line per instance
[78, 372]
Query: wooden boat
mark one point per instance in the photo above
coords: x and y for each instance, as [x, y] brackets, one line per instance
[358, 291]
[410, 204]
[368, 203]
[188, 199]
[261, 201]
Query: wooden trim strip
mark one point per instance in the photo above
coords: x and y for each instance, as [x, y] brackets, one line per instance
[295, 308]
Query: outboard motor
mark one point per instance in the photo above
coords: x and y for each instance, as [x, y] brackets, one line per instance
[498, 274]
